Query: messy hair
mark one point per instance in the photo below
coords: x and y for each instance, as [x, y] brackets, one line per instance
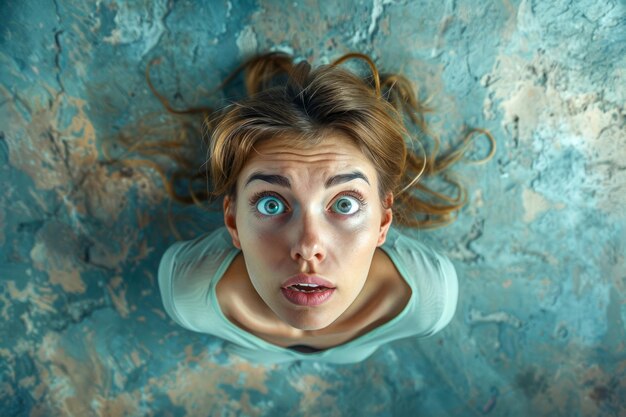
[292, 101]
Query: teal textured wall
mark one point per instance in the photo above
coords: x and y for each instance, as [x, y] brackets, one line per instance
[541, 323]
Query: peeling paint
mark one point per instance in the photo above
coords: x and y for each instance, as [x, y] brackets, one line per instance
[143, 27]
[246, 42]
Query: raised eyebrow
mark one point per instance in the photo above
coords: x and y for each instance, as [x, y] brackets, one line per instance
[341, 178]
[284, 181]
[271, 178]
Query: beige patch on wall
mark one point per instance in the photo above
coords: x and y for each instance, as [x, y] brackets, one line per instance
[545, 105]
[535, 204]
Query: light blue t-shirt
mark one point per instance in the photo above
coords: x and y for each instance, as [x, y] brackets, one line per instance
[190, 270]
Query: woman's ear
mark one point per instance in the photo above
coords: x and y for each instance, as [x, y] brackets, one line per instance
[230, 219]
[386, 219]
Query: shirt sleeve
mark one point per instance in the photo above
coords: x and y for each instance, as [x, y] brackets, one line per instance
[433, 279]
[166, 283]
[450, 292]
[188, 272]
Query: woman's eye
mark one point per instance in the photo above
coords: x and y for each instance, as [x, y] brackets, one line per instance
[346, 205]
[270, 206]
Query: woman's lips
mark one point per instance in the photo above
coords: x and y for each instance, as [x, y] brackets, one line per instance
[307, 279]
[310, 299]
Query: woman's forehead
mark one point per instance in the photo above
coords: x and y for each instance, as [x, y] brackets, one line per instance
[333, 155]
[332, 152]
[331, 147]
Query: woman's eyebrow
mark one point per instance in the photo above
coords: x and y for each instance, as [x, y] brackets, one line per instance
[341, 178]
[284, 181]
[272, 179]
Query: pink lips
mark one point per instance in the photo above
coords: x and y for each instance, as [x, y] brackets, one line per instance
[311, 299]
[307, 279]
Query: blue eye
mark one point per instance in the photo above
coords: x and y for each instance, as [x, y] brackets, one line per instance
[346, 205]
[270, 206]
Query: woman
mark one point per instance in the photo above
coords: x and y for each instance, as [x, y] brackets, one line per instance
[312, 168]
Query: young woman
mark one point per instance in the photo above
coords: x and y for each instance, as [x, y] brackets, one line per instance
[315, 168]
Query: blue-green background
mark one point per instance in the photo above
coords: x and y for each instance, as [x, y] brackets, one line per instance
[540, 251]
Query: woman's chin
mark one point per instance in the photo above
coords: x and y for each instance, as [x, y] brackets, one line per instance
[307, 324]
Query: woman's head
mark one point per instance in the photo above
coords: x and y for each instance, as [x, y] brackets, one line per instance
[308, 169]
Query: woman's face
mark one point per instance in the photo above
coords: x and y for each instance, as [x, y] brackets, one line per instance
[314, 211]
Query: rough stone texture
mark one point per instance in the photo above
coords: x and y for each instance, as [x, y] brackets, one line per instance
[541, 324]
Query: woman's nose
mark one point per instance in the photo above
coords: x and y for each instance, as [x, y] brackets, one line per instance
[308, 244]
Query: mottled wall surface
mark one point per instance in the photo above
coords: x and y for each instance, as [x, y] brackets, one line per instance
[541, 323]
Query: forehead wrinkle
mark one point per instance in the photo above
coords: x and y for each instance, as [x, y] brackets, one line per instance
[306, 158]
[329, 146]
[322, 162]
[329, 163]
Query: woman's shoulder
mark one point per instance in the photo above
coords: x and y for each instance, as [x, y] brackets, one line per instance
[187, 270]
[194, 251]
[430, 273]
[196, 259]
[408, 251]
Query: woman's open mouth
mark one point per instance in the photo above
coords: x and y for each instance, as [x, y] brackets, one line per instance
[307, 295]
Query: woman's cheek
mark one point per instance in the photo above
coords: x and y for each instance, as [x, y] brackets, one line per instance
[357, 224]
[271, 240]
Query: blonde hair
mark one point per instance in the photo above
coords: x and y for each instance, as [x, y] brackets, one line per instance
[295, 102]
